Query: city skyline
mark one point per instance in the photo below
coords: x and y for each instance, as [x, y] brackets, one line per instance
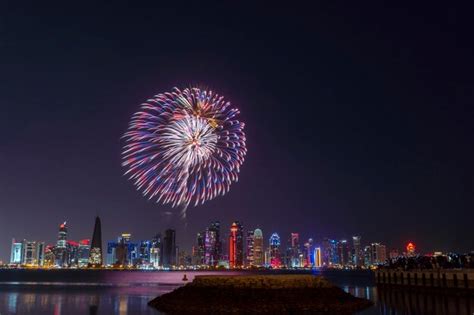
[245, 247]
[355, 122]
[60, 241]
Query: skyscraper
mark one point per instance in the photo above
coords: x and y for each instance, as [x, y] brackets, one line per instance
[357, 253]
[156, 251]
[72, 249]
[294, 251]
[258, 253]
[212, 244]
[40, 248]
[60, 251]
[275, 259]
[199, 251]
[318, 262]
[250, 248]
[16, 252]
[83, 253]
[95, 253]
[144, 249]
[308, 256]
[169, 248]
[236, 245]
[343, 252]
[378, 253]
[30, 253]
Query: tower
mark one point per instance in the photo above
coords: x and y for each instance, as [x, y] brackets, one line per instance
[61, 246]
[16, 252]
[357, 258]
[275, 260]
[258, 253]
[250, 241]
[95, 253]
[169, 248]
[236, 245]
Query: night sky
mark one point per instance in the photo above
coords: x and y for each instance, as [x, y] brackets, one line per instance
[359, 120]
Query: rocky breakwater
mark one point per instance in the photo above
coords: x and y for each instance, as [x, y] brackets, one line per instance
[271, 294]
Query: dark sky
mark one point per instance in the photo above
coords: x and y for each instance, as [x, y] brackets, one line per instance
[359, 120]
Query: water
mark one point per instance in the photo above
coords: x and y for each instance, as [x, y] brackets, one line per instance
[129, 293]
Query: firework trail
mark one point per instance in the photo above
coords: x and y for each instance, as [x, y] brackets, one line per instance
[184, 147]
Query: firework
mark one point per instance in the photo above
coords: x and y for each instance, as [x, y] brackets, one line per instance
[184, 147]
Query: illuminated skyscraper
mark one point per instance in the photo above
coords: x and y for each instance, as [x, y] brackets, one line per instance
[199, 250]
[249, 242]
[83, 253]
[144, 249]
[357, 253]
[378, 253]
[72, 250]
[95, 253]
[294, 251]
[236, 245]
[212, 244]
[60, 251]
[308, 258]
[40, 248]
[258, 253]
[156, 251]
[16, 252]
[49, 258]
[318, 262]
[275, 258]
[31, 252]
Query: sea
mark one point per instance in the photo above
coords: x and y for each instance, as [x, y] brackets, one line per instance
[125, 293]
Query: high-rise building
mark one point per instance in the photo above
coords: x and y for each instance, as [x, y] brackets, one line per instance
[40, 251]
[308, 255]
[30, 253]
[169, 248]
[83, 253]
[16, 253]
[199, 251]
[216, 226]
[111, 254]
[357, 253]
[343, 252]
[121, 253]
[294, 251]
[72, 250]
[367, 256]
[60, 251]
[49, 258]
[275, 258]
[236, 245]
[318, 262]
[210, 247]
[144, 248]
[156, 251]
[249, 241]
[378, 253]
[258, 253]
[95, 253]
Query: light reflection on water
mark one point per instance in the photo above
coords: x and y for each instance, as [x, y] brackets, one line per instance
[401, 301]
[79, 300]
[132, 298]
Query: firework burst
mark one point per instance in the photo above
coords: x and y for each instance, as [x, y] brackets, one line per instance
[184, 147]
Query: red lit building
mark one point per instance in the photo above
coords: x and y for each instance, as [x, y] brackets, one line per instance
[236, 245]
